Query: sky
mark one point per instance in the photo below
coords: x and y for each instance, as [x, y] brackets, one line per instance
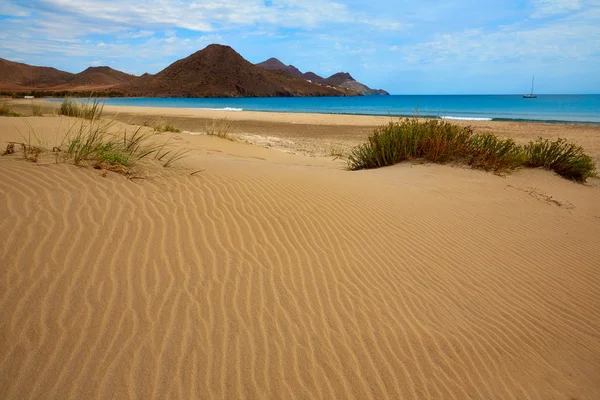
[405, 47]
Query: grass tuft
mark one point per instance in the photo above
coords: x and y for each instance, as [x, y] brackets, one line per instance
[441, 141]
[36, 110]
[166, 128]
[489, 152]
[564, 158]
[92, 109]
[92, 143]
[6, 110]
[219, 128]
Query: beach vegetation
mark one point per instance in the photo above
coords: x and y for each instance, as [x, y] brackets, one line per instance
[489, 152]
[92, 109]
[167, 128]
[442, 142]
[36, 110]
[564, 158]
[6, 110]
[168, 157]
[219, 128]
[95, 143]
[409, 139]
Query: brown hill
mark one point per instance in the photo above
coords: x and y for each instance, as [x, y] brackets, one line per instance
[341, 80]
[311, 76]
[273, 64]
[346, 81]
[96, 78]
[219, 71]
[16, 76]
[338, 79]
[103, 74]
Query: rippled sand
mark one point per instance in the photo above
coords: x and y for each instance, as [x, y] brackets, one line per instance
[271, 275]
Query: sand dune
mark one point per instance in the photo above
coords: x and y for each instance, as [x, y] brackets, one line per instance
[270, 275]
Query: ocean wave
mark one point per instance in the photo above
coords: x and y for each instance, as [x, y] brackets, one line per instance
[468, 118]
[217, 109]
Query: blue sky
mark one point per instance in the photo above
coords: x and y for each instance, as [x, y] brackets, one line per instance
[406, 47]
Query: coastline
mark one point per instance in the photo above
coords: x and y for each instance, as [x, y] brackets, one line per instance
[369, 106]
[323, 134]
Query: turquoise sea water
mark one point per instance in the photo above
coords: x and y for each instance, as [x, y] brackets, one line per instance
[558, 108]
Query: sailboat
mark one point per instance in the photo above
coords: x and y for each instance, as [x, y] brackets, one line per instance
[530, 95]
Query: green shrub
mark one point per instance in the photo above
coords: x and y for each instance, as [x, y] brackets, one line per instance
[492, 153]
[440, 142]
[564, 158]
[432, 140]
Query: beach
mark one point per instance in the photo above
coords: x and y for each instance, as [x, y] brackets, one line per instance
[260, 267]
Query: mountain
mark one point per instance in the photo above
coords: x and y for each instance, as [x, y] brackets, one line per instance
[273, 64]
[345, 80]
[16, 76]
[341, 80]
[219, 71]
[101, 76]
[216, 71]
[311, 76]
[338, 79]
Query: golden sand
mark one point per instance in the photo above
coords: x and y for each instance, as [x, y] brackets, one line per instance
[282, 276]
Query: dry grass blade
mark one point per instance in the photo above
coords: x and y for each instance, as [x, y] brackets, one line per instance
[176, 156]
[219, 128]
[92, 109]
[6, 110]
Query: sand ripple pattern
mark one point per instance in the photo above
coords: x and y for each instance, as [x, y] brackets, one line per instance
[253, 282]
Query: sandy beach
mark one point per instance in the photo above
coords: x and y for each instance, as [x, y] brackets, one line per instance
[261, 268]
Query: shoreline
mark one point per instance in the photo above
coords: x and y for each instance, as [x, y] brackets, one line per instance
[377, 118]
[436, 116]
[315, 134]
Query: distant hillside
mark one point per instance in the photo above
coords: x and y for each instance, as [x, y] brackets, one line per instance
[311, 76]
[273, 64]
[16, 76]
[216, 71]
[102, 75]
[338, 79]
[219, 71]
[345, 80]
[341, 80]
[96, 78]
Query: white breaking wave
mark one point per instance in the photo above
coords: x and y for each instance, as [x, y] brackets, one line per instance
[468, 118]
[217, 109]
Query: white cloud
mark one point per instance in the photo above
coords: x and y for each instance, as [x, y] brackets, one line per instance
[205, 16]
[573, 39]
[548, 8]
[139, 34]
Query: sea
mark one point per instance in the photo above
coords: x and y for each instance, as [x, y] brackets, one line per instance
[548, 108]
